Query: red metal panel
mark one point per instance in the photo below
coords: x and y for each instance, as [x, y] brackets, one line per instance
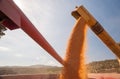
[9, 24]
[10, 11]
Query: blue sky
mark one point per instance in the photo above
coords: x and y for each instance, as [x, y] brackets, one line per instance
[53, 19]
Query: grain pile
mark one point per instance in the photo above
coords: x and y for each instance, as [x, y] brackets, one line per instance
[74, 67]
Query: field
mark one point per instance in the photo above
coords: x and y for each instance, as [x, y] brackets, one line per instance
[104, 76]
[55, 76]
[108, 69]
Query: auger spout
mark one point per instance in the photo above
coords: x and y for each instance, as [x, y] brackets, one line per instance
[12, 17]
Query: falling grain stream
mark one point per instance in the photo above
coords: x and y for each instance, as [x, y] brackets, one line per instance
[74, 67]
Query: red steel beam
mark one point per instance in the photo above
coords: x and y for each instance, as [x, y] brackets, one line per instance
[12, 17]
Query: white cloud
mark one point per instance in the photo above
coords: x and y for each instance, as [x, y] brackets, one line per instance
[4, 48]
[18, 2]
[37, 58]
[18, 55]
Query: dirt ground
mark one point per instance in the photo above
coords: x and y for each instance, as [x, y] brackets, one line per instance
[104, 76]
[55, 76]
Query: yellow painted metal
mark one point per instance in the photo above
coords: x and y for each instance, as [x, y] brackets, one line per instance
[97, 29]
